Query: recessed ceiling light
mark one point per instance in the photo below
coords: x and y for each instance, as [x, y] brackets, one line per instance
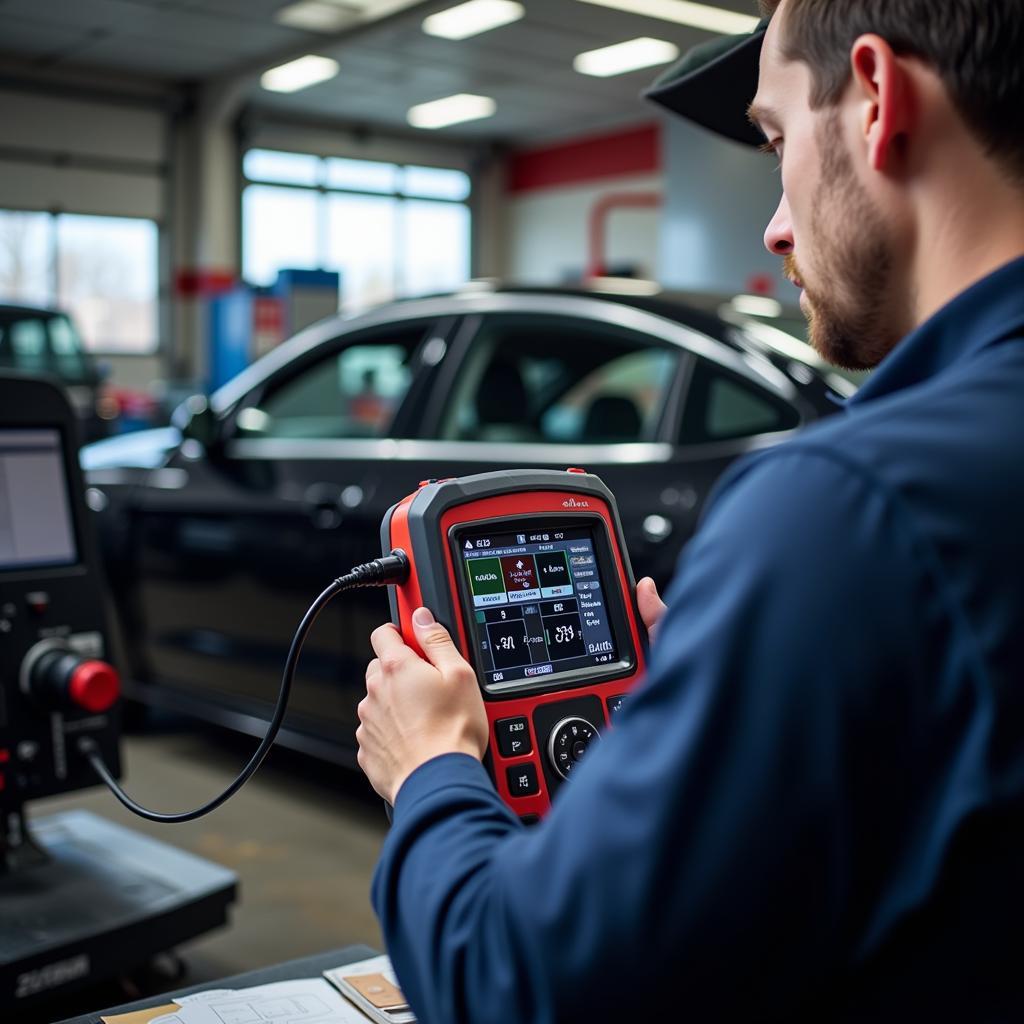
[472, 18]
[683, 12]
[623, 57]
[451, 110]
[299, 74]
[316, 16]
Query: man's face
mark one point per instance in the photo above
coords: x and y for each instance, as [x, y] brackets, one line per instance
[837, 245]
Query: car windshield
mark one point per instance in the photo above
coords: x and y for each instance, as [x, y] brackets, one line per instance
[40, 342]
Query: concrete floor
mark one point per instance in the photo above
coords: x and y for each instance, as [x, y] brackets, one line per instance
[302, 836]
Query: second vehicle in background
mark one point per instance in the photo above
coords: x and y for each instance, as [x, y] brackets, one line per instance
[34, 341]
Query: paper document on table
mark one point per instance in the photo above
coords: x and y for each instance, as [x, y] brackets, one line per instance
[372, 986]
[306, 1001]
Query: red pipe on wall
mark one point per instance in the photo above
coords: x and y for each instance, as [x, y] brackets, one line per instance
[598, 223]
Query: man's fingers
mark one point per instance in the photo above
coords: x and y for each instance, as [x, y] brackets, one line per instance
[387, 642]
[650, 604]
[436, 643]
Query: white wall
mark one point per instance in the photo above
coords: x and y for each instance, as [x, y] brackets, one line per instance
[719, 199]
[548, 230]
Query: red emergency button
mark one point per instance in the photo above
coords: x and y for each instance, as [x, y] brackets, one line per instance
[575, 469]
[94, 685]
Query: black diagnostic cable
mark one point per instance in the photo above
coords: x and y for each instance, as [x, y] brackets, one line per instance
[381, 572]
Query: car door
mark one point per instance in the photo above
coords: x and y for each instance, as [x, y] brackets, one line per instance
[656, 408]
[553, 382]
[235, 541]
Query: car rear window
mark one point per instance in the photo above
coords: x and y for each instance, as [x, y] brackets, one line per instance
[721, 406]
[40, 343]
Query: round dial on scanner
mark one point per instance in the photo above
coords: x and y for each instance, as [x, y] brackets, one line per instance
[569, 741]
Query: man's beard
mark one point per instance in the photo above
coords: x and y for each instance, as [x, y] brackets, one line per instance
[851, 323]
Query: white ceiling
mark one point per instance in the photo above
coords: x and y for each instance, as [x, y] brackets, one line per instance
[386, 67]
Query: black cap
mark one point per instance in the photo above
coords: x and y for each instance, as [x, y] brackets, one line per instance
[714, 83]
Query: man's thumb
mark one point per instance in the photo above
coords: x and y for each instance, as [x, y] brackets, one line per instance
[435, 641]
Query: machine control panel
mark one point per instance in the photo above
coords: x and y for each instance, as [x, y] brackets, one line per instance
[56, 677]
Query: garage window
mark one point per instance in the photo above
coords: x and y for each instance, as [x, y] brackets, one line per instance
[100, 270]
[389, 230]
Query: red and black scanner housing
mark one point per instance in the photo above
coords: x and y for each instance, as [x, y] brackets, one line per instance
[528, 571]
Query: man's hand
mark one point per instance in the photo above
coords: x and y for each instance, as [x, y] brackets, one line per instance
[650, 605]
[417, 709]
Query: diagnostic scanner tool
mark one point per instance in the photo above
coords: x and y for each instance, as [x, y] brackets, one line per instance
[528, 571]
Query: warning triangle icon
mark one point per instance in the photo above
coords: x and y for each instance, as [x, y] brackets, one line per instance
[469, 545]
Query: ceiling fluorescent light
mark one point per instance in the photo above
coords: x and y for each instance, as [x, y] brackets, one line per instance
[299, 74]
[451, 110]
[683, 12]
[472, 18]
[623, 57]
[316, 16]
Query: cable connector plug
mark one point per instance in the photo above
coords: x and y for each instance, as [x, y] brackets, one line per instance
[381, 572]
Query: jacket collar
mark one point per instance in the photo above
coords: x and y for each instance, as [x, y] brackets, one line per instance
[988, 312]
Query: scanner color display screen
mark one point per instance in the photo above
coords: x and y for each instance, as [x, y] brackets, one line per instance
[35, 514]
[539, 608]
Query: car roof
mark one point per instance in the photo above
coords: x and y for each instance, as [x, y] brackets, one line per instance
[12, 311]
[727, 343]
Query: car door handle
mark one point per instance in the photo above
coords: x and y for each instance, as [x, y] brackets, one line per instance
[657, 529]
[326, 504]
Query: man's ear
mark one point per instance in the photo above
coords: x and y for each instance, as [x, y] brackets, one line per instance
[883, 93]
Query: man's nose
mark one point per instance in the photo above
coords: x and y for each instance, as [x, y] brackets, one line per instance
[778, 238]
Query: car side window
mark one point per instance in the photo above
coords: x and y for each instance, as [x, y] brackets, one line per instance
[28, 343]
[354, 392]
[557, 380]
[722, 406]
[66, 348]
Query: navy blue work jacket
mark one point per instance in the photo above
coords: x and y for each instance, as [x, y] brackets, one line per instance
[812, 807]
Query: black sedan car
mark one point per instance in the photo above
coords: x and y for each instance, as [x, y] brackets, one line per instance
[219, 531]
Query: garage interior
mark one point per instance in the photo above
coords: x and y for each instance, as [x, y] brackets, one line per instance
[190, 216]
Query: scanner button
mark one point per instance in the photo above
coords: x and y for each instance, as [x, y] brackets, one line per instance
[513, 737]
[615, 704]
[38, 601]
[575, 469]
[522, 779]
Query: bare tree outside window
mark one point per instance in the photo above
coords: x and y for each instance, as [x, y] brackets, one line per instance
[100, 270]
[26, 273]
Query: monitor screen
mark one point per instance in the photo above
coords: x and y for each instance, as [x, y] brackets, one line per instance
[35, 514]
[539, 608]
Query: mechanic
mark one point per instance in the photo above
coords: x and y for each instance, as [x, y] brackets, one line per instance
[812, 807]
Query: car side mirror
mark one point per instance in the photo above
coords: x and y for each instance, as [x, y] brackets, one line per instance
[197, 421]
